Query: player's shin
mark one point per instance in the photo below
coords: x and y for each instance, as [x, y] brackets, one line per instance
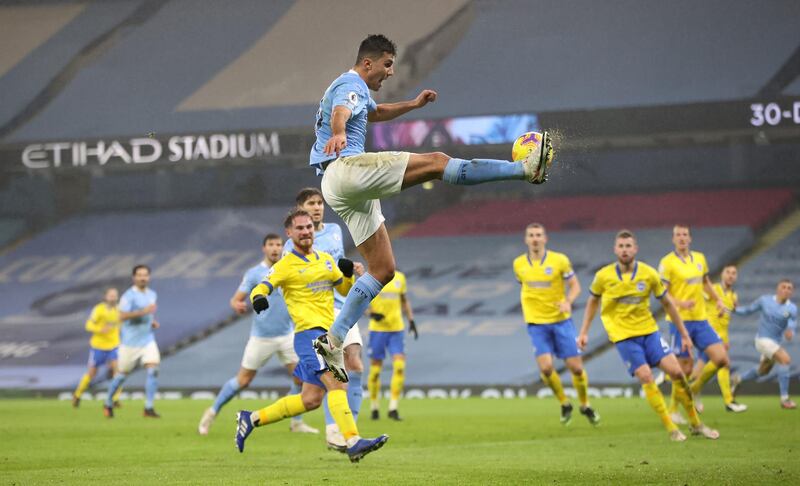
[226, 393]
[288, 406]
[355, 304]
[470, 172]
[656, 401]
[83, 385]
[150, 387]
[398, 380]
[355, 392]
[724, 380]
[683, 394]
[581, 384]
[673, 399]
[374, 386]
[709, 370]
[340, 410]
[116, 383]
[783, 380]
[554, 382]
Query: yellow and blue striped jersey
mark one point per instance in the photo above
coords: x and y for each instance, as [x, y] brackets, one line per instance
[307, 282]
[684, 278]
[625, 299]
[543, 286]
[102, 315]
[389, 304]
[720, 323]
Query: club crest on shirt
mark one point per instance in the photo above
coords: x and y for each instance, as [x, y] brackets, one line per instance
[397, 284]
[548, 270]
[353, 97]
[700, 267]
[329, 265]
[640, 286]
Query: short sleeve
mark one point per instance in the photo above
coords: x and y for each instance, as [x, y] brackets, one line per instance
[247, 283]
[664, 270]
[125, 304]
[704, 263]
[276, 276]
[566, 268]
[403, 287]
[337, 274]
[351, 97]
[658, 287]
[596, 288]
[371, 105]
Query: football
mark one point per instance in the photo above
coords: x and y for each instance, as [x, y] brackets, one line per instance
[524, 144]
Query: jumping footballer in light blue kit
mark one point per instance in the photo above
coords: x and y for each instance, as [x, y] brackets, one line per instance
[271, 333]
[354, 181]
[328, 238]
[778, 320]
[137, 308]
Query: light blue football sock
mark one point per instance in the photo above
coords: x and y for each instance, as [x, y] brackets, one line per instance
[469, 172]
[328, 417]
[356, 302]
[113, 387]
[150, 387]
[783, 380]
[296, 389]
[355, 393]
[226, 393]
[750, 374]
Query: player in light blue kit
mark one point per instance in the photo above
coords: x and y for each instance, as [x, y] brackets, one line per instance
[272, 333]
[778, 319]
[353, 182]
[137, 308]
[328, 238]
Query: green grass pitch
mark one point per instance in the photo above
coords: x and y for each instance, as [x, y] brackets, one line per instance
[469, 441]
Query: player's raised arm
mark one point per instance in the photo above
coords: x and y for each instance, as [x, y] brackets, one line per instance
[344, 277]
[390, 111]
[405, 304]
[754, 307]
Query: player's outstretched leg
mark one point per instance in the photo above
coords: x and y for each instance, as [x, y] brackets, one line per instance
[116, 383]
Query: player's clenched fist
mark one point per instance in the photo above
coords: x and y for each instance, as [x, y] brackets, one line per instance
[260, 303]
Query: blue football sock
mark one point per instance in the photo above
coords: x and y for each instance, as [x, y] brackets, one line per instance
[113, 387]
[150, 387]
[357, 301]
[226, 393]
[783, 380]
[355, 393]
[328, 417]
[468, 172]
[750, 374]
[296, 389]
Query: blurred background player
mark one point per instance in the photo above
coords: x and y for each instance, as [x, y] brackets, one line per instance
[272, 333]
[549, 288]
[778, 319]
[137, 309]
[307, 278]
[353, 182]
[623, 290]
[103, 323]
[719, 322]
[685, 275]
[387, 334]
[328, 238]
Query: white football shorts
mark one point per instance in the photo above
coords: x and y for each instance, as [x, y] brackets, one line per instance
[354, 185]
[130, 356]
[260, 349]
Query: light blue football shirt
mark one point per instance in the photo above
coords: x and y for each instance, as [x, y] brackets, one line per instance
[351, 91]
[274, 321]
[775, 317]
[329, 240]
[137, 332]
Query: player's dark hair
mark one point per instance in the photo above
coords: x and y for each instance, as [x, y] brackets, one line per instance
[374, 46]
[729, 265]
[137, 267]
[624, 233]
[535, 225]
[786, 280]
[295, 213]
[305, 194]
[271, 236]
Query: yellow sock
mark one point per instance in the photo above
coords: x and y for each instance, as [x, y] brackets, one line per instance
[398, 378]
[656, 401]
[554, 382]
[83, 385]
[341, 413]
[581, 384]
[288, 406]
[709, 370]
[673, 402]
[724, 379]
[683, 394]
[374, 384]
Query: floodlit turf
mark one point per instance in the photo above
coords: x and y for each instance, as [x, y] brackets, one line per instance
[440, 442]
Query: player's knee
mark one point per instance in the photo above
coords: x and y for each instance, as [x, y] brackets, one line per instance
[546, 370]
[244, 381]
[385, 273]
[352, 362]
[440, 158]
